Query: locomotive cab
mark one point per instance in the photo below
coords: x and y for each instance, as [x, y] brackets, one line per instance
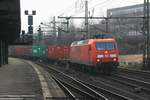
[106, 54]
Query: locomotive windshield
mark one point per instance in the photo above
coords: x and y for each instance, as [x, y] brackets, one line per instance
[105, 46]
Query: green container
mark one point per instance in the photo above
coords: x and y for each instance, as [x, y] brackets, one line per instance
[39, 51]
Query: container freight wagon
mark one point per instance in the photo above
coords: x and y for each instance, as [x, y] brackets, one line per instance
[39, 52]
[20, 51]
[58, 53]
[97, 54]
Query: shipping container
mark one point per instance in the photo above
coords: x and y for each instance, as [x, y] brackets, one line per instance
[39, 51]
[20, 51]
[58, 52]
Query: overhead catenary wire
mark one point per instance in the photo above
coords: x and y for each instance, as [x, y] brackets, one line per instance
[72, 7]
[67, 9]
[101, 4]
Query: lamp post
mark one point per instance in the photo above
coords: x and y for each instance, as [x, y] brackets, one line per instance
[30, 24]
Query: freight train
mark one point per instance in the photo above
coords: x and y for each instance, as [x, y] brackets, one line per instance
[91, 54]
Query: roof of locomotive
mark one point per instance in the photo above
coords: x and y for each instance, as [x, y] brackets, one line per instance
[90, 41]
[102, 40]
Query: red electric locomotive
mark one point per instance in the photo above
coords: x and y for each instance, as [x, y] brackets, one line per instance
[99, 54]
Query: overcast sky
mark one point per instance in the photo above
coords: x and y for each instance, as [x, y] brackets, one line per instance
[47, 8]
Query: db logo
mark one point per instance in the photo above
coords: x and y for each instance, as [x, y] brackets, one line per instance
[106, 56]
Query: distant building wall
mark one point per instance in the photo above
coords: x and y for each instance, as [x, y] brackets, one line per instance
[130, 26]
[128, 31]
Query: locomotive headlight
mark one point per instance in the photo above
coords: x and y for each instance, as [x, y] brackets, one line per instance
[113, 55]
[100, 56]
[114, 59]
[98, 60]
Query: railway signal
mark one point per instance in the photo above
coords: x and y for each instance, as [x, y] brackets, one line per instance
[30, 23]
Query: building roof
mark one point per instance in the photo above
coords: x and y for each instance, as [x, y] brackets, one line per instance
[126, 7]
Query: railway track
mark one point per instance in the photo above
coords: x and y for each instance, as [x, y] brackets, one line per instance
[77, 93]
[138, 83]
[66, 89]
[116, 96]
[137, 74]
[135, 71]
[133, 87]
[94, 91]
[123, 87]
[89, 93]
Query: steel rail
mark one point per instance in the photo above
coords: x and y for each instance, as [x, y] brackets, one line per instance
[120, 97]
[93, 92]
[71, 96]
[85, 94]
